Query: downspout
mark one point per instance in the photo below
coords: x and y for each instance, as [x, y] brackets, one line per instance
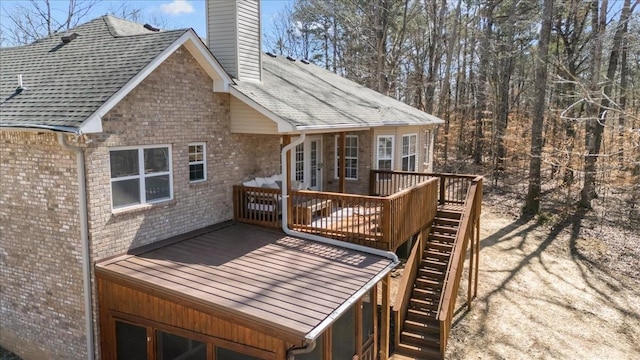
[310, 339]
[84, 236]
[307, 348]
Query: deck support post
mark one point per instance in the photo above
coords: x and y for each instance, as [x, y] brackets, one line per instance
[385, 320]
[477, 245]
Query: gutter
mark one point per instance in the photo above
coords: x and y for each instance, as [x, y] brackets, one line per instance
[310, 338]
[84, 236]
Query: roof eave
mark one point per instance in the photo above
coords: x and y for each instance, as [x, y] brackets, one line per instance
[221, 81]
[40, 128]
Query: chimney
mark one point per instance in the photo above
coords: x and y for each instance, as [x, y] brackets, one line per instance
[233, 34]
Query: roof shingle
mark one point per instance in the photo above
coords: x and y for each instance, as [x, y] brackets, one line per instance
[306, 95]
[66, 83]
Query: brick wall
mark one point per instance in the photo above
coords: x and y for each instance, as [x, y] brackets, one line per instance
[41, 302]
[175, 106]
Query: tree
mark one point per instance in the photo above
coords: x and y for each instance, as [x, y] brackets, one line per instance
[36, 19]
[532, 202]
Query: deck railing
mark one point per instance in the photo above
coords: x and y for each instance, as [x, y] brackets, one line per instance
[383, 222]
[405, 286]
[468, 236]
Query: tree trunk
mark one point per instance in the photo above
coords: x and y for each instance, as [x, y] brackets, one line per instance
[532, 203]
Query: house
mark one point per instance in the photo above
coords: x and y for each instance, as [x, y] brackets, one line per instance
[130, 227]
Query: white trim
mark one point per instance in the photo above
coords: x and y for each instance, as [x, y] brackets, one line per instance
[93, 123]
[283, 126]
[142, 175]
[357, 158]
[415, 153]
[393, 140]
[428, 149]
[198, 162]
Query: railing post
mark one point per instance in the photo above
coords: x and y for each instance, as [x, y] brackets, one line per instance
[372, 182]
[442, 195]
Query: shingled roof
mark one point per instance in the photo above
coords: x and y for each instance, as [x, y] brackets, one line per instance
[307, 96]
[65, 83]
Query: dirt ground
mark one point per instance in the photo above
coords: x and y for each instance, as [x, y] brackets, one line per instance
[541, 295]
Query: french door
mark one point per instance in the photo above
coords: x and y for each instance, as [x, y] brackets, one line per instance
[307, 164]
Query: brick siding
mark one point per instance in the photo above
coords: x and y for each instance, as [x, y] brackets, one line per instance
[41, 302]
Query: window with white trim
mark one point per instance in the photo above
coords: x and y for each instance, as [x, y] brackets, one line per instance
[299, 163]
[140, 175]
[384, 159]
[197, 162]
[350, 157]
[428, 140]
[409, 152]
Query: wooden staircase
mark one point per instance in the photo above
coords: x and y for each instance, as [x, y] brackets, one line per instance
[420, 333]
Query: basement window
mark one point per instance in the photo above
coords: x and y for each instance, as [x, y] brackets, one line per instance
[140, 175]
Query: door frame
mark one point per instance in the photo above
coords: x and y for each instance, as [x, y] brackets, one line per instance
[307, 162]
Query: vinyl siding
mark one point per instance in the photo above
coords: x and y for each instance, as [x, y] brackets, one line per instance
[245, 120]
[249, 39]
[221, 34]
[233, 33]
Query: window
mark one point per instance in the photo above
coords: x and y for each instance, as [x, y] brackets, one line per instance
[197, 162]
[428, 137]
[140, 175]
[131, 341]
[343, 336]
[171, 347]
[385, 152]
[350, 157]
[409, 155]
[299, 163]
[367, 316]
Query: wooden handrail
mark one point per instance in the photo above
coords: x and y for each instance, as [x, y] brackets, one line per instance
[456, 264]
[405, 286]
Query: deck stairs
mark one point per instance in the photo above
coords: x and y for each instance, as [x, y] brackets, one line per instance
[420, 334]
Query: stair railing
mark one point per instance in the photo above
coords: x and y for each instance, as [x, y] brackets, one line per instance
[405, 286]
[456, 265]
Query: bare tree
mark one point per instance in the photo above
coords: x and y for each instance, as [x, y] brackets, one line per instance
[532, 203]
[35, 19]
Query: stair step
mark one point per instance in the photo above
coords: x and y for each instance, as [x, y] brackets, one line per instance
[446, 222]
[431, 273]
[444, 229]
[423, 305]
[420, 339]
[428, 283]
[440, 246]
[434, 264]
[442, 238]
[422, 315]
[435, 254]
[419, 352]
[449, 214]
[421, 326]
[422, 293]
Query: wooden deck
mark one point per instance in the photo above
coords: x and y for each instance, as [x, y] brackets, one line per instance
[253, 273]
[401, 204]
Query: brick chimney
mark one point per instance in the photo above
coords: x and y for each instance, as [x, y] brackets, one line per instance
[233, 34]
